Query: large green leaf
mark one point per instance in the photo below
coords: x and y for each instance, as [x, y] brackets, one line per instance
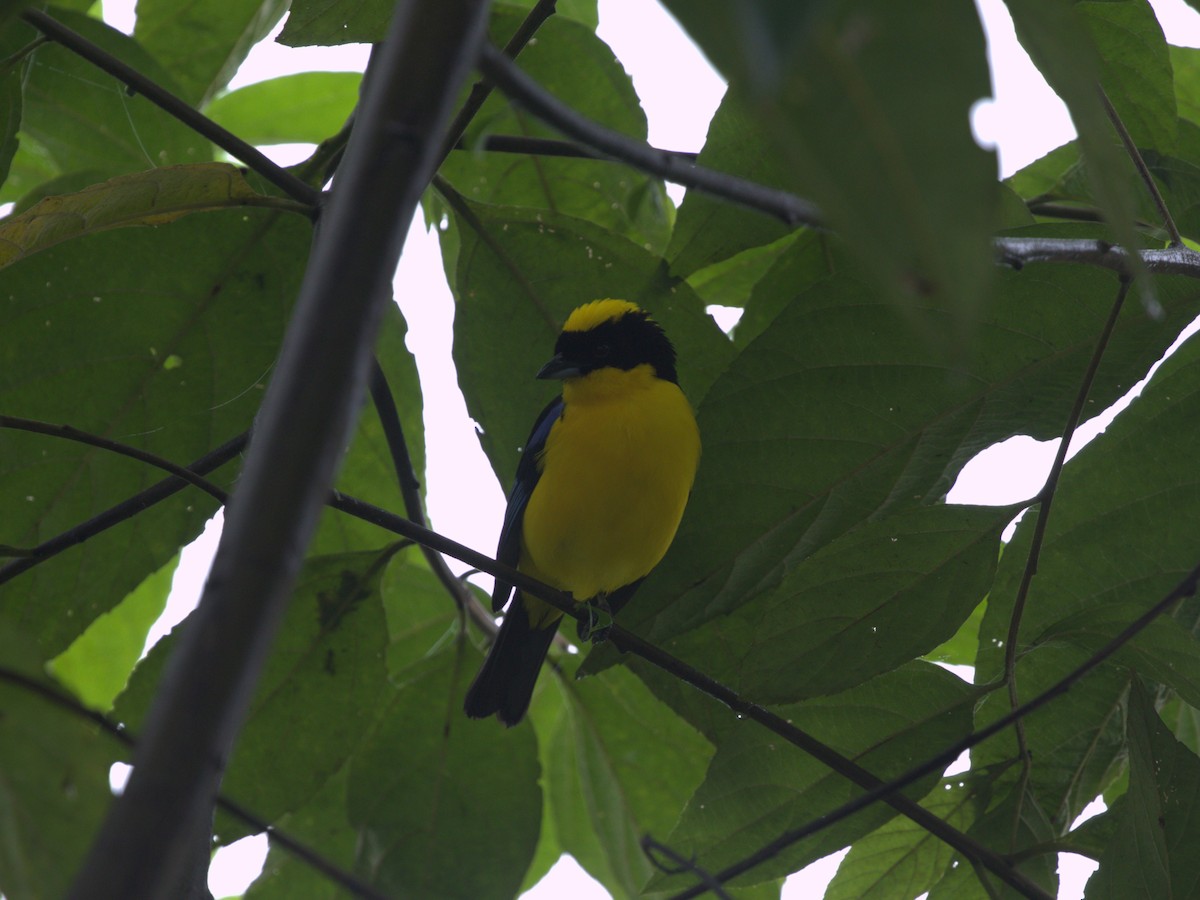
[866, 103]
[306, 107]
[1135, 68]
[882, 594]
[611, 195]
[619, 765]
[53, 781]
[160, 338]
[202, 43]
[519, 274]
[323, 685]
[758, 785]
[844, 408]
[85, 119]
[429, 783]
[1151, 853]
[901, 857]
[709, 230]
[11, 75]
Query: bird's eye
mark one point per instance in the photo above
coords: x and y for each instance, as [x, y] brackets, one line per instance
[603, 351]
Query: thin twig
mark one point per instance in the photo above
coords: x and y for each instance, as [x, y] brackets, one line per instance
[1143, 170]
[480, 91]
[277, 837]
[173, 106]
[1020, 251]
[1045, 500]
[84, 437]
[679, 865]
[791, 209]
[122, 511]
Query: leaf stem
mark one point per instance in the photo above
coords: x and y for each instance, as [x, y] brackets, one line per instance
[1143, 170]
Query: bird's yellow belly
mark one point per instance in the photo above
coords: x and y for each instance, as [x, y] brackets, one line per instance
[615, 480]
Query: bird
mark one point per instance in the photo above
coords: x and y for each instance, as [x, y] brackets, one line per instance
[599, 492]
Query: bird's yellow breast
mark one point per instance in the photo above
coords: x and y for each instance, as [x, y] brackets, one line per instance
[615, 476]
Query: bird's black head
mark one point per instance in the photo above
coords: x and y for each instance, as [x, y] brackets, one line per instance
[610, 334]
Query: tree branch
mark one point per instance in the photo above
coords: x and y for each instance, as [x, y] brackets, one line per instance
[1018, 252]
[300, 434]
[124, 510]
[173, 106]
[520, 87]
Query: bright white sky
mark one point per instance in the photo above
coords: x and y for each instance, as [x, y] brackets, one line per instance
[679, 92]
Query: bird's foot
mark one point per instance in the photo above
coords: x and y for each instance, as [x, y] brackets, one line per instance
[597, 621]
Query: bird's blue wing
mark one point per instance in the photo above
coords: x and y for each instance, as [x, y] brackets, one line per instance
[528, 472]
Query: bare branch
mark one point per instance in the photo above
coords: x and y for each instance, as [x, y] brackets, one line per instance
[1143, 170]
[520, 87]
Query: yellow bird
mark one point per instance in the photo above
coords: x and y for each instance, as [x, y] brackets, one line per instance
[600, 489]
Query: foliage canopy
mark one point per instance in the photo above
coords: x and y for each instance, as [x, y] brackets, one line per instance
[144, 287]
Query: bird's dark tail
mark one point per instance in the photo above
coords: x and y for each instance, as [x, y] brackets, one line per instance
[504, 685]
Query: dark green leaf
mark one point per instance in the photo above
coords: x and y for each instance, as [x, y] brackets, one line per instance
[1151, 852]
[619, 765]
[709, 231]
[54, 791]
[332, 22]
[157, 337]
[323, 685]
[203, 42]
[87, 120]
[519, 274]
[430, 784]
[306, 107]
[613, 196]
[1135, 68]
[881, 594]
[758, 786]
[866, 104]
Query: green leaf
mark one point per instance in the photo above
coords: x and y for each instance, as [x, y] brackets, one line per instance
[1150, 854]
[306, 107]
[332, 22]
[320, 823]
[153, 197]
[1135, 68]
[882, 594]
[203, 42]
[845, 409]
[54, 788]
[901, 857]
[866, 104]
[758, 786]
[324, 683]
[97, 665]
[87, 120]
[89, 327]
[611, 195]
[731, 282]
[709, 231]
[11, 77]
[619, 765]
[519, 274]
[1185, 63]
[1057, 37]
[429, 782]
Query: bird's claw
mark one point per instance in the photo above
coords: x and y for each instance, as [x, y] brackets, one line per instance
[597, 622]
